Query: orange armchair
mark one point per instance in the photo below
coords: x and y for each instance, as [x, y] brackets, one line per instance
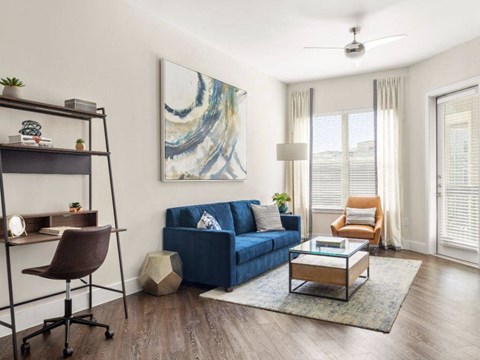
[371, 233]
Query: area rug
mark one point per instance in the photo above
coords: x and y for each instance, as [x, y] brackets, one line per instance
[374, 306]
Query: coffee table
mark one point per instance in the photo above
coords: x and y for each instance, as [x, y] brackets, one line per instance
[312, 262]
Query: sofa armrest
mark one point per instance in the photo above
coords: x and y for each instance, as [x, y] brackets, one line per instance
[337, 225]
[291, 222]
[208, 256]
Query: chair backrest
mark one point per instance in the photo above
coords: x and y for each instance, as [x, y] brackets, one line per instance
[79, 253]
[365, 202]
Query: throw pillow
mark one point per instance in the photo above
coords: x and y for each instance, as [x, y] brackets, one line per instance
[207, 221]
[360, 216]
[267, 217]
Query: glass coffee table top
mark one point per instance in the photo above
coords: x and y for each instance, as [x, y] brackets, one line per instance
[314, 247]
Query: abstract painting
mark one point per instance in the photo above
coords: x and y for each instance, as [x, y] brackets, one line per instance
[203, 126]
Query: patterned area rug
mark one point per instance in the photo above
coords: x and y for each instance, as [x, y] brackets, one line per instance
[374, 306]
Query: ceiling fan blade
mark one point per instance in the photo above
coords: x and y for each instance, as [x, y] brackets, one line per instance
[382, 41]
[323, 48]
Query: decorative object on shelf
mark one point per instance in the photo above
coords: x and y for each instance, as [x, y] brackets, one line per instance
[82, 105]
[80, 144]
[292, 152]
[30, 127]
[161, 273]
[16, 226]
[74, 207]
[12, 87]
[281, 201]
[30, 140]
[203, 126]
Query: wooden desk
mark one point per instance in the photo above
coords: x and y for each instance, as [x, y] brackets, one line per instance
[34, 222]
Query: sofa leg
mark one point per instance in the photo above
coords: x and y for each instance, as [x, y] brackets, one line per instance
[228, 289]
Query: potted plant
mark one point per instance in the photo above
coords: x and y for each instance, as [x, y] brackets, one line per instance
[80, 144]
[74, 207]
[281, 199]
[12, 87]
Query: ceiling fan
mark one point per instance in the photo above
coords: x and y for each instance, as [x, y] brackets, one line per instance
[356, 49]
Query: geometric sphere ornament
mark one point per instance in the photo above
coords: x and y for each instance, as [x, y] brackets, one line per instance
[161, 273]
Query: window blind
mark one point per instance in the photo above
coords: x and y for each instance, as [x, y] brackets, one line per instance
[343, 157]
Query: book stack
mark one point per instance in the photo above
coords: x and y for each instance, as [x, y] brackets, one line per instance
[332, 243]
[30, 140]
[57, 230]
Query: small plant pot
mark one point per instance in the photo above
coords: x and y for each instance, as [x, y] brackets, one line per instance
[80, 146]
[72, 210]
[12, 91]
[283, 209]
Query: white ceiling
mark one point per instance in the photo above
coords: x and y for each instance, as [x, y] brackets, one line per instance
[270, 34]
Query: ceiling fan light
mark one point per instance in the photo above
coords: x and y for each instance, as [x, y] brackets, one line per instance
[354, 50]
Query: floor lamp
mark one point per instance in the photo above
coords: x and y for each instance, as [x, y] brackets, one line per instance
[292, 152]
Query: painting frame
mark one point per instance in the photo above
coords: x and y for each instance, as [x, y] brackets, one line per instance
[218, 133]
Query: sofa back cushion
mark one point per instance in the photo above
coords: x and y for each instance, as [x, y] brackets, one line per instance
[243, 218]
[190, 215]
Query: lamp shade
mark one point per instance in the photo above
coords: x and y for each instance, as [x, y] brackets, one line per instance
[292, 151]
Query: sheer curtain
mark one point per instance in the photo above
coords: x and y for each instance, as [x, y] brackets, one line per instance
[390, 103]
[299, 132]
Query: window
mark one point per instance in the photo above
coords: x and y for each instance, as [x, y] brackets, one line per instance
[343, 161]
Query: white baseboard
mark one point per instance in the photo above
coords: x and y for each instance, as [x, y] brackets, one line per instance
[417, 246]
[34, 313]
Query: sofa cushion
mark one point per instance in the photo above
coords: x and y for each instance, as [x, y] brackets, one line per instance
[220, 211]
[357, 231]
[247, 248]
[280, 238]
[243, 216]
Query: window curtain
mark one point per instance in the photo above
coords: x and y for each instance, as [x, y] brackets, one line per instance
[389, 98]
[299, 132]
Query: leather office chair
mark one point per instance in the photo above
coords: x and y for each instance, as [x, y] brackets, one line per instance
[79, 253]
[372, 233]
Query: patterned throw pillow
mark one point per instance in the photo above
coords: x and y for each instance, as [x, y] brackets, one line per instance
[360, 216]
[267, 217]
[207, 221]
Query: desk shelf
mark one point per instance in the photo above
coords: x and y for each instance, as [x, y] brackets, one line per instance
[23, 159]
[44, 108]
[41, 160]
[34, 222]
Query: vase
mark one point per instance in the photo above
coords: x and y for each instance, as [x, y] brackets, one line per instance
[12, 91]
[283, 209]
[80, 146]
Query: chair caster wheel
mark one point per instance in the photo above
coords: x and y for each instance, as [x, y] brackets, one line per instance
[109, 334]
[25, 348]
[67, 352]
[93, 320]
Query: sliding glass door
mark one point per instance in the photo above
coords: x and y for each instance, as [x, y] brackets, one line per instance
[458, 179]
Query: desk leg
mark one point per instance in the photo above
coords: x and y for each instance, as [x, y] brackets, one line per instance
[8, 263]
[115, 218]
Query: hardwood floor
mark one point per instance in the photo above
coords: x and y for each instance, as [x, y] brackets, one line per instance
[440, 319]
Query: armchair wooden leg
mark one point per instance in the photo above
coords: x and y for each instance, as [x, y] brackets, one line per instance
[228, 289]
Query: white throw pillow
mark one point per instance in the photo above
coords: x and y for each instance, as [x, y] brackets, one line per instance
[267, 217]
[360, 216]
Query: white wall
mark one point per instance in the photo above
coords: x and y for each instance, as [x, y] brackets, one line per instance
[108, 51]
[352, 92]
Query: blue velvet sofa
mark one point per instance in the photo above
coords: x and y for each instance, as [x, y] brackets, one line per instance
[230, 256]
